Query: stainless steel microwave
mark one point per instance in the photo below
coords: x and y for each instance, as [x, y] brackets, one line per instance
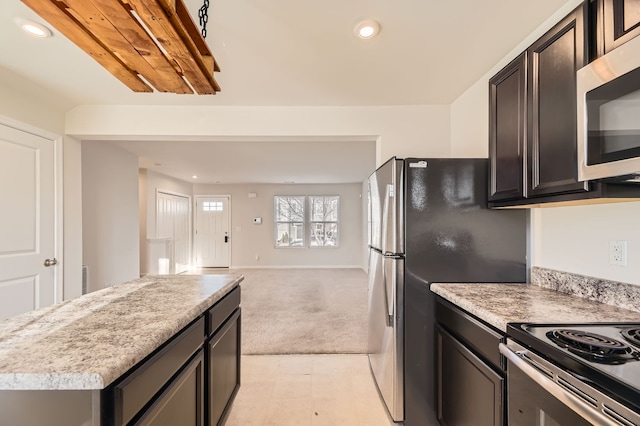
[608, 92]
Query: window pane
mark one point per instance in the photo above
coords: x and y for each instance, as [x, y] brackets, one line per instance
[323, 209]
[324, 235]
[212, 206]
[289, 235]
[289, 209]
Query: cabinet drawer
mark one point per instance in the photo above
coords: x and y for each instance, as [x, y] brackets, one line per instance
[472, 332]
[222, 309]
[181, 403]
[134, 392]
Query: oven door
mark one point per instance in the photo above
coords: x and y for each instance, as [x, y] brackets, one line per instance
[540, 393]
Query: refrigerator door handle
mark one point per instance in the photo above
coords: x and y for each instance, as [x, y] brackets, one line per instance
[388, 193]
[389, 290]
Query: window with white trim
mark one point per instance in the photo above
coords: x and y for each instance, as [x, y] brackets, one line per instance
[289, 217]
[323, 220]
[294, 214]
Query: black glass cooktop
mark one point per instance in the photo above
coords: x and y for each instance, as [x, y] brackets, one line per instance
[607, 356]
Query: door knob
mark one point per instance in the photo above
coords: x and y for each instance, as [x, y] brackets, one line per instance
[50, 262]
[226, 238]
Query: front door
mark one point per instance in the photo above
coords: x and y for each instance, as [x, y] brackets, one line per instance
[26, 222]
[212, 232]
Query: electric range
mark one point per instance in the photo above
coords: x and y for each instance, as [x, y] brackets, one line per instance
[597, 364]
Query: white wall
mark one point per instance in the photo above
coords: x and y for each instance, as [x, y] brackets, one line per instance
[25, 101]
[421, 130]
[110, 215]
[249, 239]
[576, 239]
[365, 225]
[72, 240]
[572, 239]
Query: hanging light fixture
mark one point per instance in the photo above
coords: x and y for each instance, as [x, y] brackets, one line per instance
[147, 44]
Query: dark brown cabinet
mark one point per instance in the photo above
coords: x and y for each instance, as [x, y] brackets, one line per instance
[552, 160]
[507, 94]
[223, 353]
[190, 380]
[129, 399]
[181, 403]
[470, 386]
[469, 391]
[532, 110]
[620, 22]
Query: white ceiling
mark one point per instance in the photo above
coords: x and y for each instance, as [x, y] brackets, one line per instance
[301, 53]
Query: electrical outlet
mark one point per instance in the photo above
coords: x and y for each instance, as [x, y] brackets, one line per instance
[618, 253]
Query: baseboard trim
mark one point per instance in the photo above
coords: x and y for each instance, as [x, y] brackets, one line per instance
[297, 267]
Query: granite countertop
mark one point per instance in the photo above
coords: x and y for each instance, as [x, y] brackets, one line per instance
[88, 342]
[499, 304]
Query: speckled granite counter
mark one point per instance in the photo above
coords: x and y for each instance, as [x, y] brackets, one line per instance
[499, 304]
[88, 342]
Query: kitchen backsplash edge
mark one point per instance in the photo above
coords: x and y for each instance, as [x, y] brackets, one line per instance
[597, 289]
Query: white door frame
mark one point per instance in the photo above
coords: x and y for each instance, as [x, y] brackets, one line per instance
[195, 212]
[190, 232]
[58, 188]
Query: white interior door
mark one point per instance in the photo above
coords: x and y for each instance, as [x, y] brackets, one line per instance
[212, 232]
[27, 222]
[172, 221]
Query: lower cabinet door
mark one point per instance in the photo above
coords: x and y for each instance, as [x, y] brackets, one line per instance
[224, 369]
[468, 391]
[182, 402]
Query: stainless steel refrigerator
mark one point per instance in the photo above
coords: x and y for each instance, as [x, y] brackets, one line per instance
[429, 222]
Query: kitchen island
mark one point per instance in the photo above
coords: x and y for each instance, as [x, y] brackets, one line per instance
[78, 360]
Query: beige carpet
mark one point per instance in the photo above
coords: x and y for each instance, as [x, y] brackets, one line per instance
[304, 311]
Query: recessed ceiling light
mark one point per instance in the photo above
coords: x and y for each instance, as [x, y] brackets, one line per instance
[33, 28]
[367, 29]
[195, 176]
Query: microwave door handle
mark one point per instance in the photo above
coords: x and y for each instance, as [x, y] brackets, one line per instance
[573, 402]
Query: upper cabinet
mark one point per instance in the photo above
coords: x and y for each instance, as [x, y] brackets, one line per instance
[507, 132]
[552, 159]
[620, 22]
[533, 112]
[532, 118]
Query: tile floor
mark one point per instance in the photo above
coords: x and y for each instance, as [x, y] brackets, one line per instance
[305, 390]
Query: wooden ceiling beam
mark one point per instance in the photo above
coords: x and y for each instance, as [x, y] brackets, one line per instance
[125, 38]
[195, 34]
[161, 43]
[69, 27]
[171, 34]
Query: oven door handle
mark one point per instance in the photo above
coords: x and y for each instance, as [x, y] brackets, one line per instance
[571, 401]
